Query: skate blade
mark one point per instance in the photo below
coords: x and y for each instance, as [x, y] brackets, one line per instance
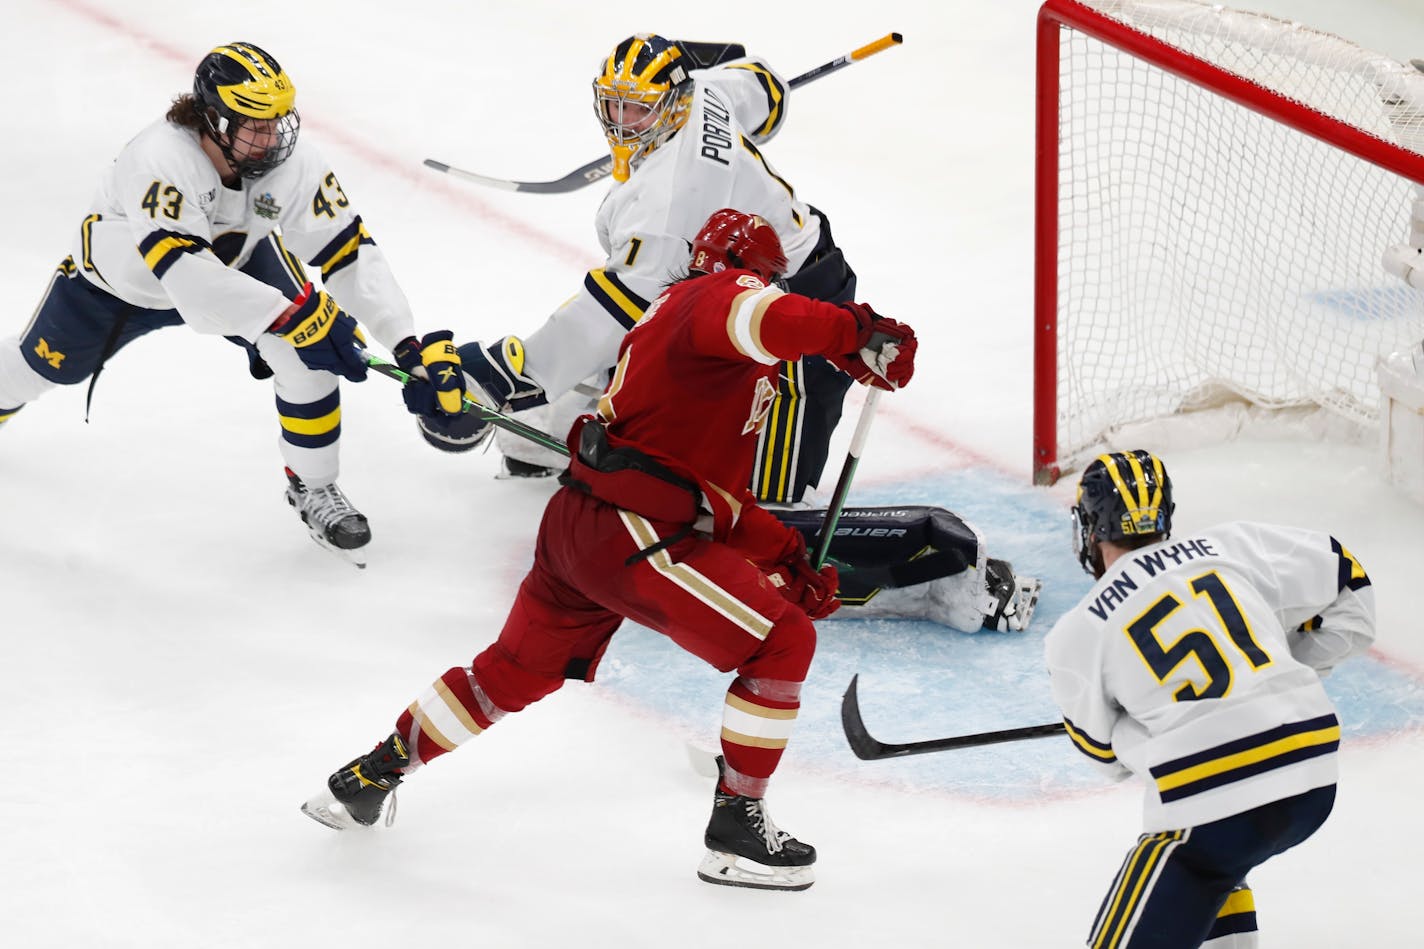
[725, 869]
[355, 556]
[325, 809]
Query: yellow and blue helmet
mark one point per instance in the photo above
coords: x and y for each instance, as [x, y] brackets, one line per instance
[249, 107]
[1122, 496]
[642, 94]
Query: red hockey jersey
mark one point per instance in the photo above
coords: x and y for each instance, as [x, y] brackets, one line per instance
[695, 380]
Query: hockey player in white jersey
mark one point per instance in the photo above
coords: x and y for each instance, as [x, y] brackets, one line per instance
[685, 142]
[209, 217]
[1195, 663]
[685, 122]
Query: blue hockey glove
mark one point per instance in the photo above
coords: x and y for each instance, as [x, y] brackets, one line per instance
[324, 336]
[437, 384]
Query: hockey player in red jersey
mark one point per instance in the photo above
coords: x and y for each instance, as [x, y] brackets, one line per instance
[655, 523]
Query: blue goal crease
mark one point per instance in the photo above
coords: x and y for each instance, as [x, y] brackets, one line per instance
[920, 680]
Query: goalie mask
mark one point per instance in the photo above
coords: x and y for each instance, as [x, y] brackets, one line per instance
[642, 95]
[733, 240]
[1122, 496]
[248, 106]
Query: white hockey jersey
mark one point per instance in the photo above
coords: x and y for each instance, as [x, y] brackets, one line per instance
[164, 233]
[1195, 663]
[646, 224]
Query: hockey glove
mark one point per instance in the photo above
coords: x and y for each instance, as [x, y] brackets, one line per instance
[437, 384]
[499, 371]
[885, 350]
[324, 336]
[811, 589]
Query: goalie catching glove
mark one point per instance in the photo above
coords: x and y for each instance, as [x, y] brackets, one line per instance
[325, 337]
[437, 384]
[885, 350]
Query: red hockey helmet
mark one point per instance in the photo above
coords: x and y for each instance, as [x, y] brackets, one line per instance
[732, 239]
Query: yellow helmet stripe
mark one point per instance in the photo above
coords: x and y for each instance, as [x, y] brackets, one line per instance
[1139, 478]
[267, 94]
[1130, 499]
[624, 71]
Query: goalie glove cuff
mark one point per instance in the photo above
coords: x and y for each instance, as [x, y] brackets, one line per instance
[497, 371]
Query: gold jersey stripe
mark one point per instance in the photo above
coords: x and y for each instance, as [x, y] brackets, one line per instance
[693, 582]
[428, 728]
[312, 426]
[760, 711]
[748, 741]
[1241, 759]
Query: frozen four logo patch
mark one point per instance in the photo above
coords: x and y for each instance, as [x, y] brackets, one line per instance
[266, 206]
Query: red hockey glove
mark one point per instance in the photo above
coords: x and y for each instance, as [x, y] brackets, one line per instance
[323, 334]
[885, 350]
[437, 383]
[811, 589]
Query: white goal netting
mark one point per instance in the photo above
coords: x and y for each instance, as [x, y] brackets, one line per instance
[1208, 251]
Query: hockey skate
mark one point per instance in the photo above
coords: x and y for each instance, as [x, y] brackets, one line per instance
[514, 468]
[744, 848]
[364, 791]
[331, 520]
[1010, 600]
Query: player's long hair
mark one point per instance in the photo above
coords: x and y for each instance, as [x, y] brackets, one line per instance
[186, 112]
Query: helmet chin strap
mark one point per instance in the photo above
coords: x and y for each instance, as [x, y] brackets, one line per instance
[227, 170]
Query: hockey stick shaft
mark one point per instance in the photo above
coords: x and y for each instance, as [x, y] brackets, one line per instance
[867, 748]
[600, 168]
[857, 445]
[499, 419]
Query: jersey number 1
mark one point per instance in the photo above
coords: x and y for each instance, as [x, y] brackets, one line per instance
[1200, 644]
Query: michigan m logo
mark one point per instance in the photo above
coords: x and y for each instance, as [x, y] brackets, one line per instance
[51, 356]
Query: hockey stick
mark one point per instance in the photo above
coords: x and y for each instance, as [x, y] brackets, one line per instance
[867, 748]
[833, 513]
[601, 168]
[499, 419]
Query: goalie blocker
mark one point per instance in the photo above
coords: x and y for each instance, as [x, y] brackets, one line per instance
[920, 561]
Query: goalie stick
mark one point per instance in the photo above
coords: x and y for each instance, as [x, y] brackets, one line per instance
[601, 168]
[498, 419]
[867, 748]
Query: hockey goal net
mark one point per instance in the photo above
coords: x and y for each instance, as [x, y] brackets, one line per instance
[1215, 192]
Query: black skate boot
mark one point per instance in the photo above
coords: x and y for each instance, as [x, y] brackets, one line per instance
[744, 848]
[330, 518]
[362, 791]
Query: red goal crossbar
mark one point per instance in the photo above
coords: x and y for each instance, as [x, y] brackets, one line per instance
[1057, 15]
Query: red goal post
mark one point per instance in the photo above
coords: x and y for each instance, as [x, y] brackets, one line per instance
[1214, 193]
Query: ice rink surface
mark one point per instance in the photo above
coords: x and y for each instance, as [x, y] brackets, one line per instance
[180, 667]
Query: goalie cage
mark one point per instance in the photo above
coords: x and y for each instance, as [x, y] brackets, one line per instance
[1215, 192]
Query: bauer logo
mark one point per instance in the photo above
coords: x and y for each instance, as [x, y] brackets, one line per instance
[870, 532]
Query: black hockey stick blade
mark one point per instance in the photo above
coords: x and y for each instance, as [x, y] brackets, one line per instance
[601, 168]
[867, 748]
